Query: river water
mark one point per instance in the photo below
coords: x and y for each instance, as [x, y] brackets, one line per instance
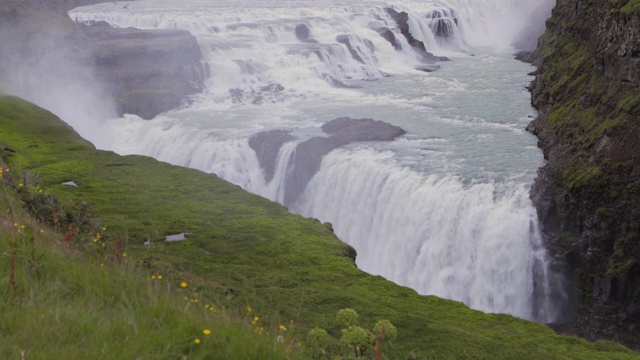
[443, 209]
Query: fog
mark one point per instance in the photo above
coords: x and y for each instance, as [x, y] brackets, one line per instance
[44, 59]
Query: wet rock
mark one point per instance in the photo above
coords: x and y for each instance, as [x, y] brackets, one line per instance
[147, 71]
[303, 33]
[428, 67]
[346, 40]
[309, 154]
[402, 19]
[267, 146]
[388, 35]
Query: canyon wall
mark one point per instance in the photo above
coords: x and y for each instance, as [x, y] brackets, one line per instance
[588, 195]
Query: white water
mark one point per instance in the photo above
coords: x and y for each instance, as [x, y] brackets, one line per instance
[444, 209]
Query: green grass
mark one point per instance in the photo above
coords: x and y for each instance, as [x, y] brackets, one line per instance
[61, 301]
[242, 250]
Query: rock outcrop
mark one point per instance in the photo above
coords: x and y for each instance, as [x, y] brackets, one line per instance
[402, 19]
[309, 153]
[587, 91]
[147, 71]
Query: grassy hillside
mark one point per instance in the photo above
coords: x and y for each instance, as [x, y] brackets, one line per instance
[88, 287]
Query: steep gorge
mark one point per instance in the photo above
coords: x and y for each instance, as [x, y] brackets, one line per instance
[588, 195]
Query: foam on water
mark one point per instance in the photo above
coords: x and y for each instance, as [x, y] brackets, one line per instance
[443, 209]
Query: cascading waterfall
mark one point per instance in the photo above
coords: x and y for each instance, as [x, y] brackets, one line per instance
[443, 209]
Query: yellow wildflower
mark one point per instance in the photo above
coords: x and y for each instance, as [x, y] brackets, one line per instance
[153, 277]
[159, 277]
[206, 331]
[282, 328]
[183, 284]
[196, 340]
[249, 309]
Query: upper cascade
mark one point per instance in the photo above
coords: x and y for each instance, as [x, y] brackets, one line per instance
[261, 53]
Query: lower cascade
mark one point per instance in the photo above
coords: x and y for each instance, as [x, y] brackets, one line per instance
[400, 122]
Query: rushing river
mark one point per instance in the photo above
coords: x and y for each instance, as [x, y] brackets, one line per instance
[443, 209]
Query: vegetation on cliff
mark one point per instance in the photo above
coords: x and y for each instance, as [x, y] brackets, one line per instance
[261, 267]
[587, 91]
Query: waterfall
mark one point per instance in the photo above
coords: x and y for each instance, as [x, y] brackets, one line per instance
[443, 209]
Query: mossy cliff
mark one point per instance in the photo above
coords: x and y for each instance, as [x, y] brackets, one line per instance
[588, 196]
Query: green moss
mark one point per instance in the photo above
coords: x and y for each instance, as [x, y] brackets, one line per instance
[242, 250]
[632, 6]
[603, 213]
[578, 176]
[629, 104]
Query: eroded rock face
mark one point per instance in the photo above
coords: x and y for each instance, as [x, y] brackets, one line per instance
[309, 154]
[587, 91]
[147, 71]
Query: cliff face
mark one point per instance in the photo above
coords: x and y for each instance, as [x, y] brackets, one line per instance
[144, 72]
[588, 196]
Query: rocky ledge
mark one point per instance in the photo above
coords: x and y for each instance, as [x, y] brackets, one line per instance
[146, 71]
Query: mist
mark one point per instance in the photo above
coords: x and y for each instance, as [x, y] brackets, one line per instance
[44, 59]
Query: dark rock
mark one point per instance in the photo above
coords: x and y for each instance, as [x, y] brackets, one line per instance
[303, 33]
[339, 84]
[273, 88]
[388, 35]
[147, 71]
[402, 19]
[346, 40]
[428, 67]
[267, 146]
[530, 57]
[343, 131]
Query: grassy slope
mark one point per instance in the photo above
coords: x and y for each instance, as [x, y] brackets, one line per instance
[245, 250]
[64, 301]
